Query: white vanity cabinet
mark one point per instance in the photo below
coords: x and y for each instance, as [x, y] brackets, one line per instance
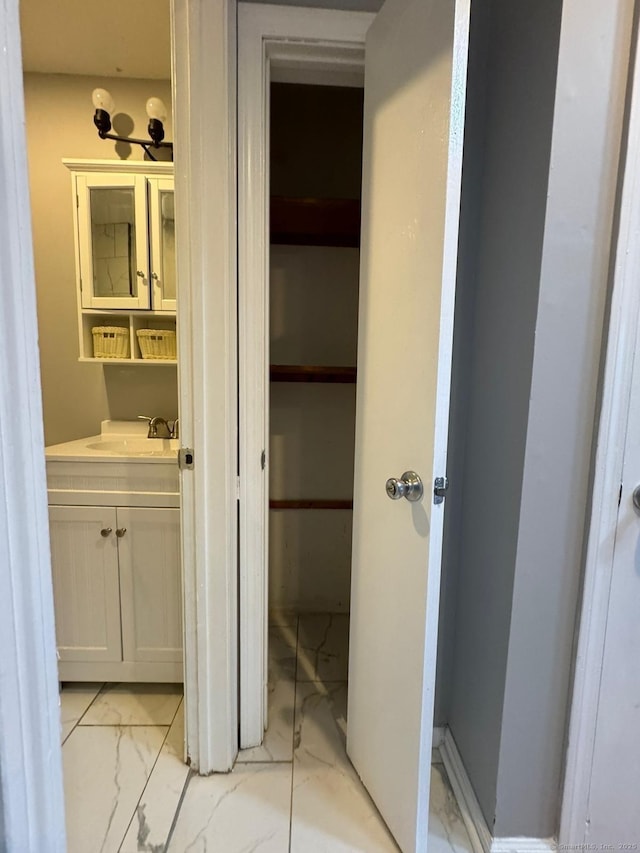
[125, 249]
[86, 585]
[116, 570]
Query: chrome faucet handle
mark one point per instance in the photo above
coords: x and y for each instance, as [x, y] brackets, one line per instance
[175, 432]
[151, 432]
[159, 428]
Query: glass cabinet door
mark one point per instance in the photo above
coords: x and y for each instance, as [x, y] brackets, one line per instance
[163, 252]
[112, 225]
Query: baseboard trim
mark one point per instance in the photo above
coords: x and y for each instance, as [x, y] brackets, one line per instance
[472, 816]
[481, 839]
[438, 736]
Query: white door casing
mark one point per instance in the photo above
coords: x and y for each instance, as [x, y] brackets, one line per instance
[415, 83]
[608, 628]
[613, 812]
[284, 42]
[204, 99]
[31, 803]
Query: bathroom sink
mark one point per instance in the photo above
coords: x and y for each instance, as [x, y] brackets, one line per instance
[135, 446]
[118, 442]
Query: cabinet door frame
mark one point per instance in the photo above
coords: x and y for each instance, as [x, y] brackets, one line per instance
[103, 518]
[155, 187]
[84, 183]
[129, 520]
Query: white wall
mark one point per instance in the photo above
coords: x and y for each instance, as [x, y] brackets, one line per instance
[59, 114]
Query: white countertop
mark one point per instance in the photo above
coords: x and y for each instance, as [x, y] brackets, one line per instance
[118, 441]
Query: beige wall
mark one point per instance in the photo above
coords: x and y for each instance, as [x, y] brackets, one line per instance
[59, 114]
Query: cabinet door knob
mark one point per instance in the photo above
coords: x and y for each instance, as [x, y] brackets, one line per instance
[154, 276]
[139, 273]
[106, 531]
[120, 531]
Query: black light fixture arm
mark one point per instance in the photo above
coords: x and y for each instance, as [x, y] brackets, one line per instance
[102, 121]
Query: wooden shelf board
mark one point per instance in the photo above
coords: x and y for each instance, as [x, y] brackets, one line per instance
[310, 504]
[312, 373]
[315, 221]
[126, 312]
[147, 361]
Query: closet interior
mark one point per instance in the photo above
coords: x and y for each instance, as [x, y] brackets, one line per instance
[315, 181]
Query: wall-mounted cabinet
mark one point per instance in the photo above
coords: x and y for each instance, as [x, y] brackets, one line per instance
[125, 253]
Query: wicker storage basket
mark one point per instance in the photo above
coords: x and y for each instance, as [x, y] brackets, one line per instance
[157, 343]
[110, 342]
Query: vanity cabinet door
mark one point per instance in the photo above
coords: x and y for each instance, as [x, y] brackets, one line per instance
[162, 244]
[113, 244]
[150, 583]
[84, 558]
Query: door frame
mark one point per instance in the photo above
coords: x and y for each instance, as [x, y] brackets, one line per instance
[31, 801]
[204, 73]
[204, 96]
[327, 47]
[624, 315]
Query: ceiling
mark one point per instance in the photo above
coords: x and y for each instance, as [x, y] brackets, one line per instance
[128, 38]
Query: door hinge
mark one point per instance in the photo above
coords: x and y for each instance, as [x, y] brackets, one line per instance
[263, 459]
[238, 488]
[620, 495]
[440, 487]
[185, 458]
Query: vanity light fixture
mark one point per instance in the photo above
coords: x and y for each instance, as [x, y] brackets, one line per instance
[104, 106]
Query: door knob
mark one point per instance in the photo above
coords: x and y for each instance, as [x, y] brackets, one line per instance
[409, 486]
[106, 531]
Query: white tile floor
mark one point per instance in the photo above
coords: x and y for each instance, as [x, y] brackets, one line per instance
[128, 790]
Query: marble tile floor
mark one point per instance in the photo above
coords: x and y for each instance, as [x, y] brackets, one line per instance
[128, 791]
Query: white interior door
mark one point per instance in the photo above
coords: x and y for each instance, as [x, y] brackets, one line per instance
[415, 79]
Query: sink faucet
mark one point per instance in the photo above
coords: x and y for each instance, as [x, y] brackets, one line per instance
[158, 427]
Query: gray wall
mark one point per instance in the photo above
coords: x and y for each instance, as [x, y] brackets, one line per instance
[521, 52]
[468, 252]
[572, 294]
[527, 352]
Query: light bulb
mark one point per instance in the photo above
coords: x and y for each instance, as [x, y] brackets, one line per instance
[102, 100]
[156, 109]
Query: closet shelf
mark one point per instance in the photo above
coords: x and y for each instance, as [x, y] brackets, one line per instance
[312, 373]
[310, 504]
[315, 221]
